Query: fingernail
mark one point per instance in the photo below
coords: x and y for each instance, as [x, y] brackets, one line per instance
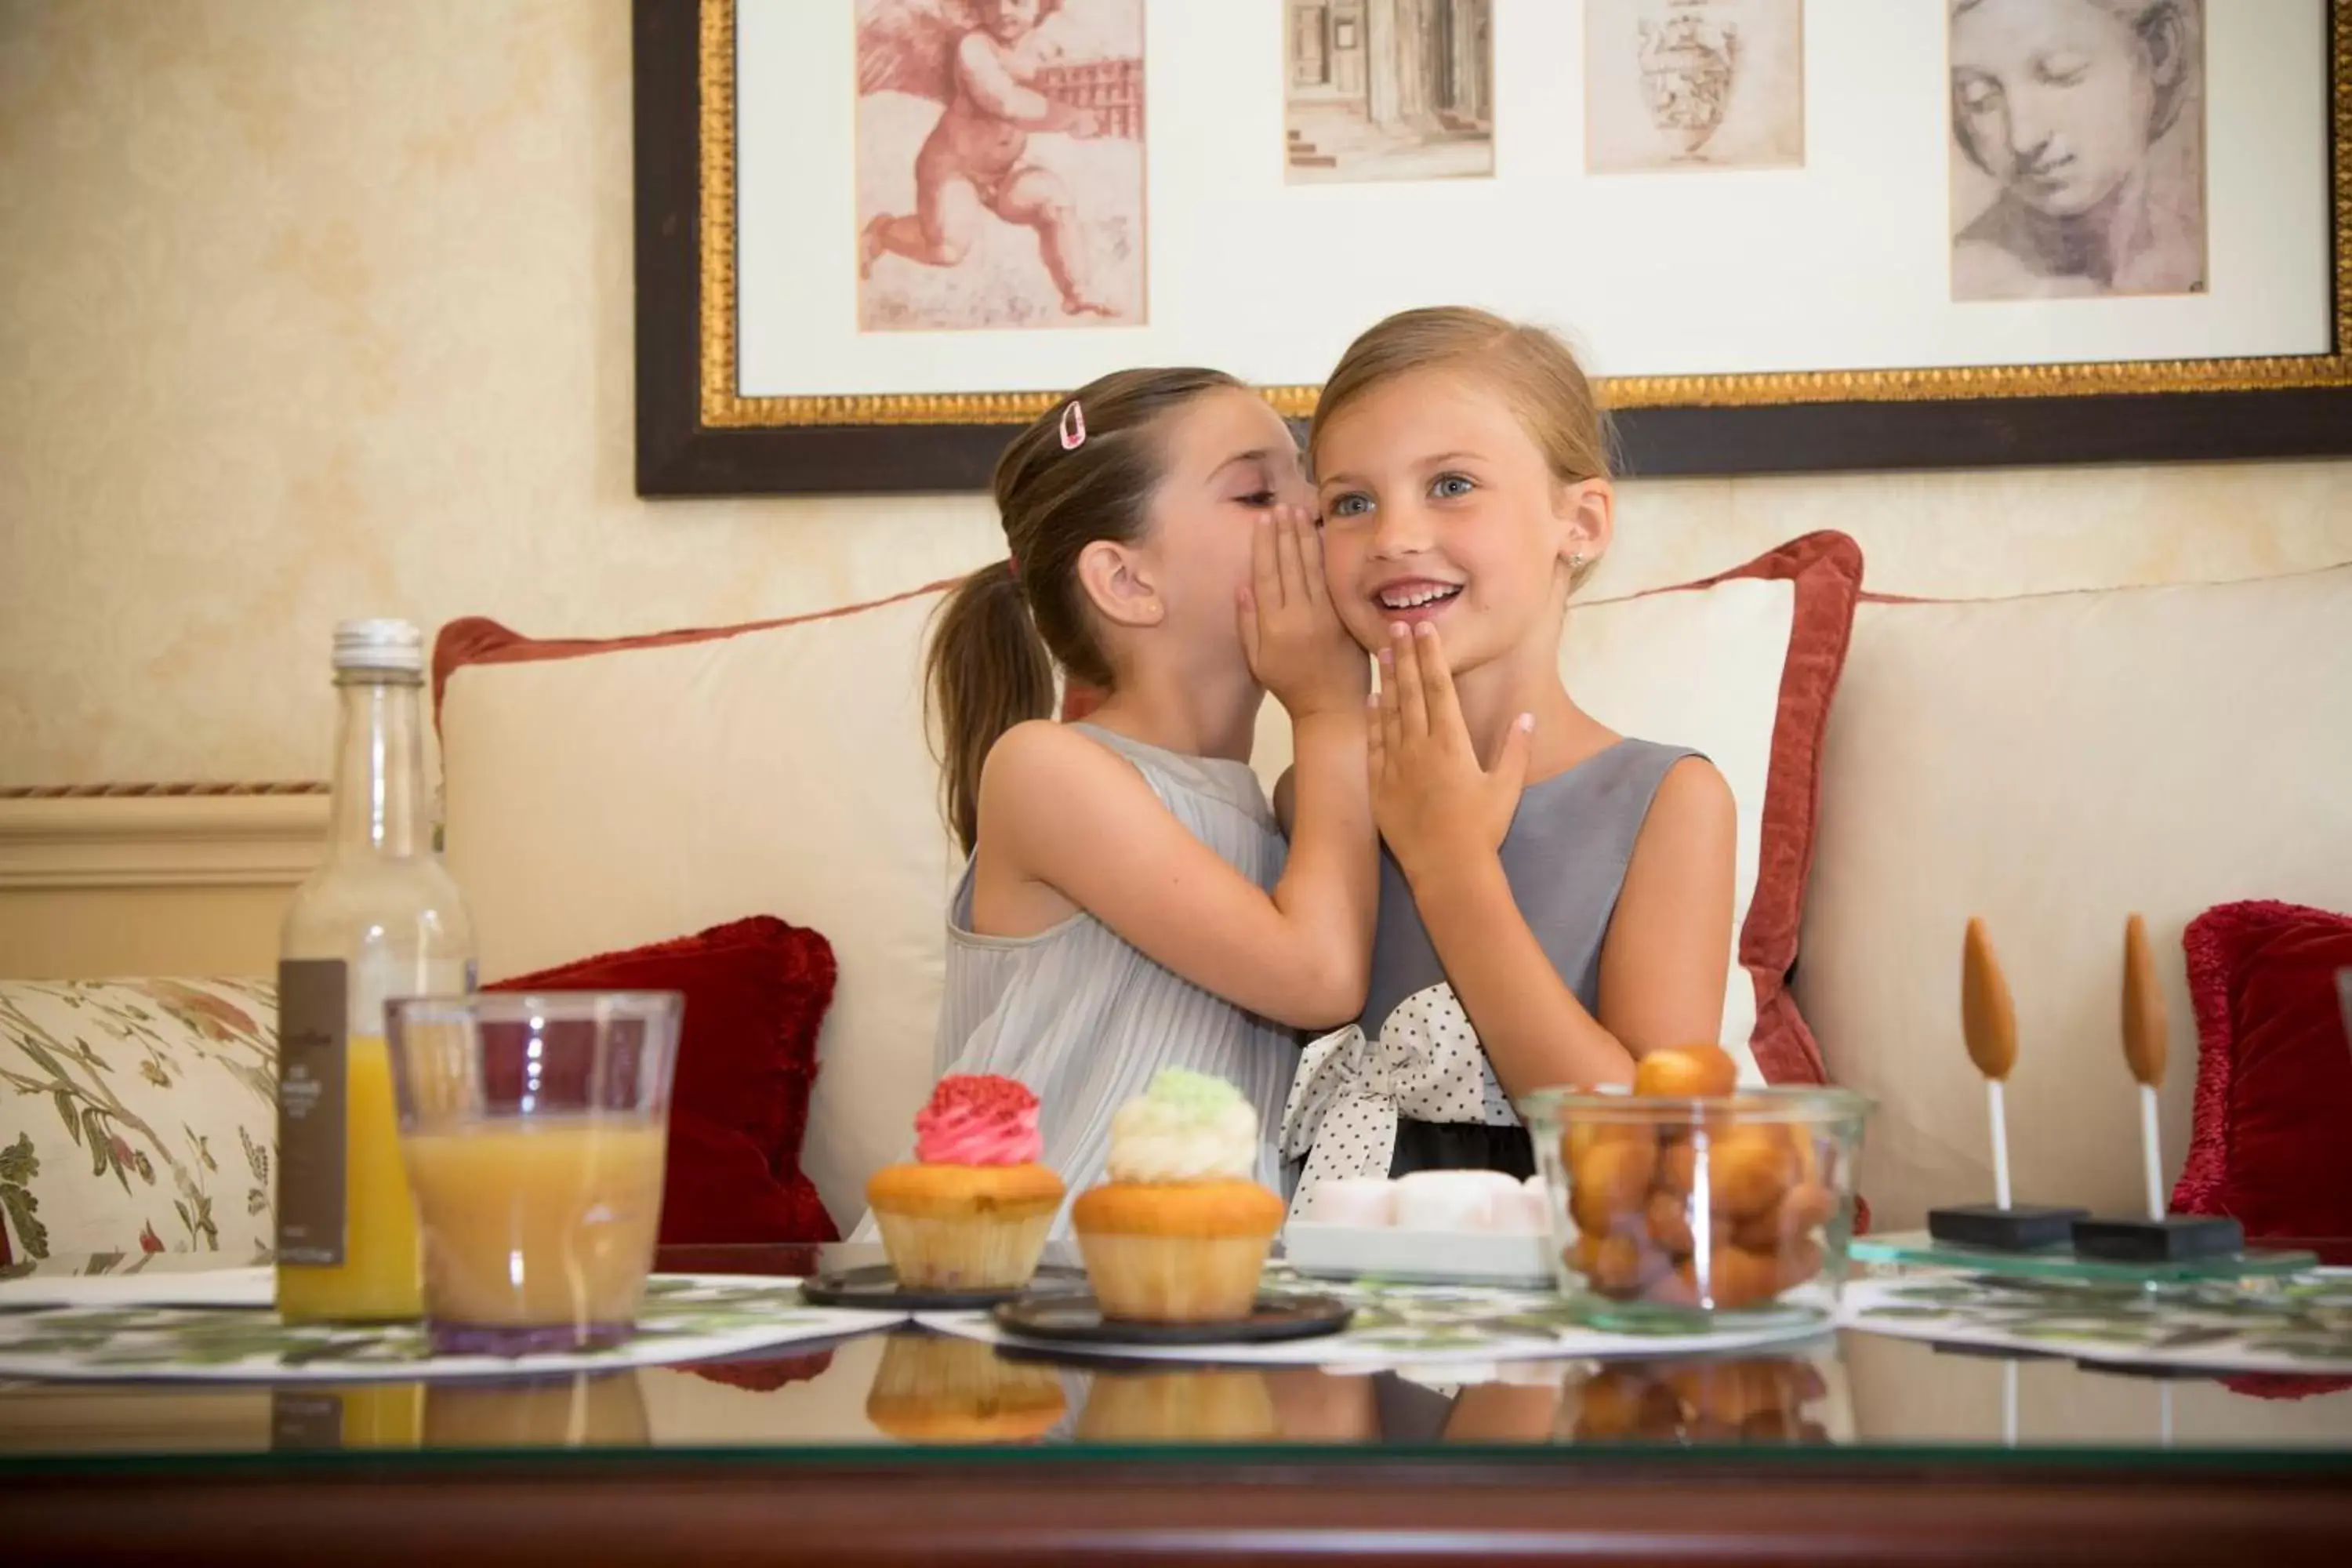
[1527, 721]
[1425, 630]
[1398, 630]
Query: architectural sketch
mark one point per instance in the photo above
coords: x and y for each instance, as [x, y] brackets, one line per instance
[1388, 90]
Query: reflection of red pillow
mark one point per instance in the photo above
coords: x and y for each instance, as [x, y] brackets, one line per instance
[2283, 1385]
[755, 991]
[763, 1375]
[2272, 1141]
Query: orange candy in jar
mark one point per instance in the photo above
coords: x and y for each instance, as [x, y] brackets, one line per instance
[1756, 1399]
[1721, 1211]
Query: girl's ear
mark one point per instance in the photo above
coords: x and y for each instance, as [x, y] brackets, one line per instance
[1118, 583]
[1588, 508]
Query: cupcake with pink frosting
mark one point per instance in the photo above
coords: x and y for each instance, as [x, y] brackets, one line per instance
[973, 1210]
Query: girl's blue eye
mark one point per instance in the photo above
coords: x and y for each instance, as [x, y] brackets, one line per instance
[1452, 487]
[1350, 505]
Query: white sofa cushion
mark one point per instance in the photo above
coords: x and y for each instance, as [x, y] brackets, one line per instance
[2055, 764]
[604, 795]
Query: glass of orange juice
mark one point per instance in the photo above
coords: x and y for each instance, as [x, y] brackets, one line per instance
[535, 1128]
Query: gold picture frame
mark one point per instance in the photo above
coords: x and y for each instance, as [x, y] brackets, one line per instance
[686, 55]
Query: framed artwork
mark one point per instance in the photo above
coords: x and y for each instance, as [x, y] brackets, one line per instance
[874, 236]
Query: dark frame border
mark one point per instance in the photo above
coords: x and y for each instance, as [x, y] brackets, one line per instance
[678, 455]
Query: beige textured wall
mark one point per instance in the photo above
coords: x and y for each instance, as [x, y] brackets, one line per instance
[317, 307]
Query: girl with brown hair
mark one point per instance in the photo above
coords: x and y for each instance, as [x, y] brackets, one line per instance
[1130, 903]
[1556, 900]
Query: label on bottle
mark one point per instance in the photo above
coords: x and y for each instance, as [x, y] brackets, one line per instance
[304, 1420]
[313, 1110]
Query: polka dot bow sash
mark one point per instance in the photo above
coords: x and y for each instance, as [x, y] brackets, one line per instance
[1351, 1089]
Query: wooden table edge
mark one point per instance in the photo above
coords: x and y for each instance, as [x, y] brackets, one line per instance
[677, 1509]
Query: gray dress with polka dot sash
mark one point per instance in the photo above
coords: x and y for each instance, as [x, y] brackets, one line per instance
[1085, 1018]
[1565, 858]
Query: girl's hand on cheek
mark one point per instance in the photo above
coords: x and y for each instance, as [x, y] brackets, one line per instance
[1292, 634]
[1432, 802]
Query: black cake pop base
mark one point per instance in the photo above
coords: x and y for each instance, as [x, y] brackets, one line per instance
[2175, 1238]
[2021, 1227]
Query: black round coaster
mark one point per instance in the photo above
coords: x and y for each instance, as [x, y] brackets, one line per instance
[877, 1287]
[1077, 1319]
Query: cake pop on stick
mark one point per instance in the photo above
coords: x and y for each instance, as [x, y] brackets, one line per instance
[2160, 1238]
[1988, 1026]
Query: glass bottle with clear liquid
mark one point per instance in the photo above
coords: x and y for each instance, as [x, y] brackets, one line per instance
[380, 919]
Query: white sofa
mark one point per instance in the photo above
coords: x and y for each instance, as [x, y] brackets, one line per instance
[2052, 764]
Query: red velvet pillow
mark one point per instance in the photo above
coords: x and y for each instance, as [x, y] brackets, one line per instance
[756, 990]
[2272, 1141]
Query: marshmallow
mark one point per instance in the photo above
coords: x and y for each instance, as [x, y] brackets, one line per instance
[1452, 1200]
[1364, 1202]
[1523, 1211]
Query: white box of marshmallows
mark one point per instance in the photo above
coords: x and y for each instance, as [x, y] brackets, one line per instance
[1456, 1226]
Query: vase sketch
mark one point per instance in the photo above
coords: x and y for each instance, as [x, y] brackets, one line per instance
[1687, 61]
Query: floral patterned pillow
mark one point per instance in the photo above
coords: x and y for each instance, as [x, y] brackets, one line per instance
[137, 1117]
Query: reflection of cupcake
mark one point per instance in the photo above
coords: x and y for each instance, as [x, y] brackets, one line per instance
[933, 1389]
[971, 1212]
[1180, 1233]
[1189, 1406]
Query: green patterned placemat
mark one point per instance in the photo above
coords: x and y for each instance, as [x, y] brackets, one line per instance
[686, 1317]
[2303, 1325]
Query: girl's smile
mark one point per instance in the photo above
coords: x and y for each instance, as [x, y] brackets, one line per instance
[1413, 598]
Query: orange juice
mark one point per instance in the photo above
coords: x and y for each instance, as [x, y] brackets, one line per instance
[378, 1279]
[606, 1409]
[538, 1221]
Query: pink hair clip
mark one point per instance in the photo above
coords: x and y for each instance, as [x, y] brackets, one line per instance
[1073, 426]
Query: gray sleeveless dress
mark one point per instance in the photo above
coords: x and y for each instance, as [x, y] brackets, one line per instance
[1085, 1020]
[1565, 858]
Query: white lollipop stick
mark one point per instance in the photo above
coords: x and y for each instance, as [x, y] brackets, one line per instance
[2000, 1141]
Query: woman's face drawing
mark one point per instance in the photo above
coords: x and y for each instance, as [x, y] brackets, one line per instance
[2055, 97]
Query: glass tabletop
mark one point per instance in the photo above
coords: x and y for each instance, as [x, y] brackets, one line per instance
[902, 1394]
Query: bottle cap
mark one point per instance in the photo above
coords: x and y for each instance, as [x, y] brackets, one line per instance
[385, 644]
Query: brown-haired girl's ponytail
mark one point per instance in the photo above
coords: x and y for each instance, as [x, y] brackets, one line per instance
[1083, 470]
[987, 670]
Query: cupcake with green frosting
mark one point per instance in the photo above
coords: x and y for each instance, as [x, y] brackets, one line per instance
[1179, 1232]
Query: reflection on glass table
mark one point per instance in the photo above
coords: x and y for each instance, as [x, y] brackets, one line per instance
[906, 1389]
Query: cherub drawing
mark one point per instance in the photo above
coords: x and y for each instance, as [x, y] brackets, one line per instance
[998, 71]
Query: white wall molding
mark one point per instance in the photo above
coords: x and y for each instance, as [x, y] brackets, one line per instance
[160, 841]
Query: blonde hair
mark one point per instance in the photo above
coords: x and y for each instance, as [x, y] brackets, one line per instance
[1529, 367]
